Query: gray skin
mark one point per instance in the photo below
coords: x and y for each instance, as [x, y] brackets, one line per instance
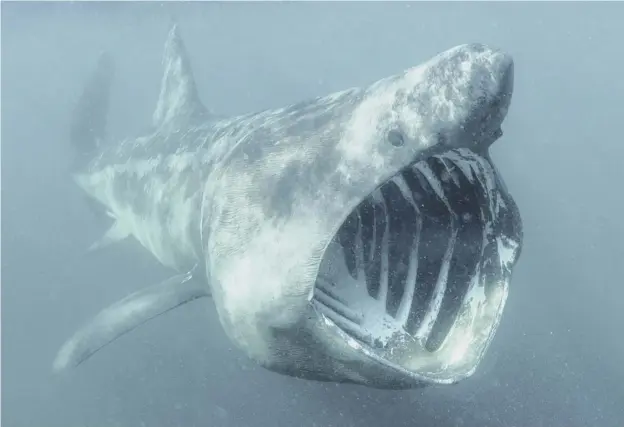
[266, 214]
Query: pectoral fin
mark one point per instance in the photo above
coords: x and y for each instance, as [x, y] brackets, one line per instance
[115, 233]
[127, 314]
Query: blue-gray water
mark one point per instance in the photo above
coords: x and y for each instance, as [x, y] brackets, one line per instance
[558, 357]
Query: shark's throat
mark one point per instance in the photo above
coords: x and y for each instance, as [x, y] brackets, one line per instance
[427, 252]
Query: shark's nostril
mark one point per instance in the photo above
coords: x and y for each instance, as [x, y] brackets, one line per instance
[395, 137]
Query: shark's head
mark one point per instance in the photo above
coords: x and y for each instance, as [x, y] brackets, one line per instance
[366, 236]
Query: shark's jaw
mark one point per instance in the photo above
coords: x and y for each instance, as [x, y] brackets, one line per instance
[417, 275]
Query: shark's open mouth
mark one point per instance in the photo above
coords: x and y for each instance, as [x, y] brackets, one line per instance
[418, 272]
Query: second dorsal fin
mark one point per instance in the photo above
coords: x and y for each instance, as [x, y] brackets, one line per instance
[178, 94]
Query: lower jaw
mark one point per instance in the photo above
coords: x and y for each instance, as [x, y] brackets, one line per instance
[408, 357]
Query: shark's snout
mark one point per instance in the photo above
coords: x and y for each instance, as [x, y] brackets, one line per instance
[499, 63]
[486, 96]
[505, 66]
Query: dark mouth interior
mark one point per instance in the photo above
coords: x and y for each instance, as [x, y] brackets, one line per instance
[401, 266]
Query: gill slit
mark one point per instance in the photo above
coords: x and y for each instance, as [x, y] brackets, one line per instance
[412, 272]
[425, 328]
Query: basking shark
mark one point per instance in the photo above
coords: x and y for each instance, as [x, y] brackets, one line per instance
[361, 237]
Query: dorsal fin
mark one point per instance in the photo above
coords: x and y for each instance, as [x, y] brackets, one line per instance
[178, 93]
[88, 124]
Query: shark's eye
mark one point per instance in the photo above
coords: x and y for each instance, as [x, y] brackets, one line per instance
[395, 137]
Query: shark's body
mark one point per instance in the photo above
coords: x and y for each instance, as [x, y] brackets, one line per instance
[360, 237]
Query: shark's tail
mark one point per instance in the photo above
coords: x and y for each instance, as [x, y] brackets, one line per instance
[88, 126]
